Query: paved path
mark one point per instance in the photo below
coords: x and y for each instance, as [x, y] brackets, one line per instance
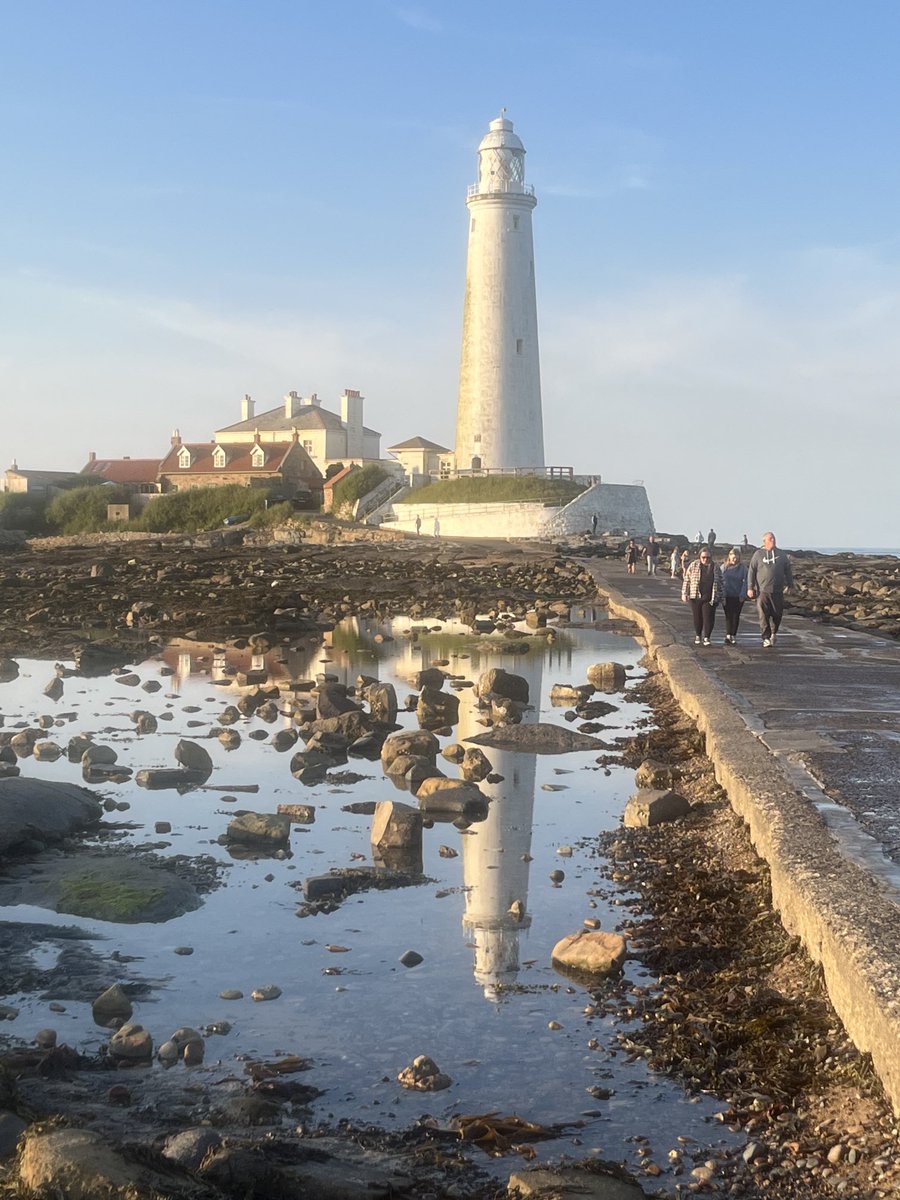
[805, 739]
[825, 700]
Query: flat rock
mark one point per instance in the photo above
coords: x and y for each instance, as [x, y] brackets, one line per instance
[589, 953]
[537, 738]
[653, 806]
[81, 1165]
[544, 1183]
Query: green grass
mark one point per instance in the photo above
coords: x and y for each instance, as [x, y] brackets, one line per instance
[496, 489]
[90, 895]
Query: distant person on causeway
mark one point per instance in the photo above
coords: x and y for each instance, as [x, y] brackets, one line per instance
[631, 556]
[703, 588]
[768, 578]
[735, 575]
[651, 552]
[711, 540]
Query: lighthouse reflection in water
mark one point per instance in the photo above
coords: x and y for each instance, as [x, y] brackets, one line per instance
[496, 852]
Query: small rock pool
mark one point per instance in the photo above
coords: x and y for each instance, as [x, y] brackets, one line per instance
[485, 1003]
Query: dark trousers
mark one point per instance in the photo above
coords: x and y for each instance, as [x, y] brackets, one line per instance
[704, 617]
[770, 606]
[733, 607]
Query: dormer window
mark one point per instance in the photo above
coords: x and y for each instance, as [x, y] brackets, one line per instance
[184, 458]
[257, 457]
[219, 459]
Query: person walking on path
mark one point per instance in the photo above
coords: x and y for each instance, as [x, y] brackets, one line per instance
[418, 524]
[652, 553]
[768, 578]
[685, 559]
[734, 573]
[674, 560]
[631, 556]
[703, 588]
[699, 538]
[594, 525]
[711, 540]
[437, 528]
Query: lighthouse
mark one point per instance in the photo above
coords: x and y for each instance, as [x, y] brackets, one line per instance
[498, 421]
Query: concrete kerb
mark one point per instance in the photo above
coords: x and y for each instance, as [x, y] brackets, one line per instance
[844, 917]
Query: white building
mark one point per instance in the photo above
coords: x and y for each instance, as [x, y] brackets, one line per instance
[499, 422]
[327, 437]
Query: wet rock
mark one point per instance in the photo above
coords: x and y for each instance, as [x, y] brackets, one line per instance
[436, 709]
[396, 826]
[431, 677]
[97, 755]
[607, 676]
[423, 1075]
[411, 958]
[9, 670]
[76, 747]
[111, 1005]
[589, 953]
[382, 701]
[229, 715]
[45, 1038]
[230, 739]
[454, 753]
[299, 814]
[11, 1129]
[22, 744]
[231, 994]
[193, 757]
[475, 765]
[568, 693]
[259, 829]
[497, 682]
[132, 1043]
[415, 743]
[145, 722]
[537, 738]
[571, 1183]
[652, 806]
[332, 701]
[54, 688]
[47, 751]
[448, 799]
[129, 679]
[189, 1147]
[51, 809]
[159, 778]
[269, 991]
[284, 739]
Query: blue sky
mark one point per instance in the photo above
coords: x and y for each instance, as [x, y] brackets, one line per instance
[206, 199]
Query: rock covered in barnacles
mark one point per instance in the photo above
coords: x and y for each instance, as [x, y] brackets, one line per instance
[423, 1075]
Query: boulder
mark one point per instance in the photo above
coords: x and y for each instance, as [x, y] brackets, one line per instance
[98, 756]
[32, 808]
[497, 682]
[259, 829]
[537, 738]
[193, 756]
[415, 742]
[589, 953]
[435, 709]
[81, 1165]
[382, 701]
[653, 806]
[132, 1043]
[332, 700]
[396, 826]
[568, 693]
[432, 677]
[607, 676]
[475, 765]
[571, 1183]
[111, 1005]
[47, 751]
[423, 1075]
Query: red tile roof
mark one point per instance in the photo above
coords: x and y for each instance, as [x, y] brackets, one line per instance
[123, 470]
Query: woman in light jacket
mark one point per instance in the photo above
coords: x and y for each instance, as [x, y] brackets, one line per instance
[703, 588]
[735, 575]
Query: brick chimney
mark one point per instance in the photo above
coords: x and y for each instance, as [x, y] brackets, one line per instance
[247, 407]
[176, 437]
[92, 457]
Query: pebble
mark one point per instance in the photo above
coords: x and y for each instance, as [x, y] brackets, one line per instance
[231, 994]
[411, 958]
[269, 991]
[556, 877]
[184, 949]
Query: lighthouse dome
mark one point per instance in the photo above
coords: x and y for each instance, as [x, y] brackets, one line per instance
[500, 136]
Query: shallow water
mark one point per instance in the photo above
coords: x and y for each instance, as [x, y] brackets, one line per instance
[482, 1002]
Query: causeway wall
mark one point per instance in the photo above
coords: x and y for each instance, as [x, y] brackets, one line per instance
[848, 920]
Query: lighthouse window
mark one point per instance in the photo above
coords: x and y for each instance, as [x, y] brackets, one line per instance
[472, 226]
[476, 437]
[515, 222]
[519, 344]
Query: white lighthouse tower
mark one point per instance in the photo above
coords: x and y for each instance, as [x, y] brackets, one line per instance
[498, 421]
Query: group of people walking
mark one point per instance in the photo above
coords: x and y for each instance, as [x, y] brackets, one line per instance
[706, 585]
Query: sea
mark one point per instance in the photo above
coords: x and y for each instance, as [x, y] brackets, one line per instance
[894, 550]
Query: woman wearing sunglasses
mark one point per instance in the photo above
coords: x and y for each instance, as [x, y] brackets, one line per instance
[703, 588]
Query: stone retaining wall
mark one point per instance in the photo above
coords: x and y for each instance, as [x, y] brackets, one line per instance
[847, 922]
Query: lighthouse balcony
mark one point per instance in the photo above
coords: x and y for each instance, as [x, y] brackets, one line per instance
[509, 187]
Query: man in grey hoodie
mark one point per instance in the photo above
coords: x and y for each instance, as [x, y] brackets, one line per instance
[769, 577]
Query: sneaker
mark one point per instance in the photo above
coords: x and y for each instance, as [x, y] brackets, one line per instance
[767, 642]
[772, 640]
[697, 640]
[727, 639]
[707, 642]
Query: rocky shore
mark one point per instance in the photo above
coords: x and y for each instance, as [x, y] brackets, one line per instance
[736, 1011]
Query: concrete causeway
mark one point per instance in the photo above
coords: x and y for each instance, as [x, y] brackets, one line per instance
[805, 739]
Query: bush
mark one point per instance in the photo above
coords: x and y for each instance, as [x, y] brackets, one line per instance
[83, 509]
[18, 510]
[358, 484]
[196, 509]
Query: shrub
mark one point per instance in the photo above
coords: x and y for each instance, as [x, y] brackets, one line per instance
[18, 510]
[199, 508]
[83, 509]
[358, 484]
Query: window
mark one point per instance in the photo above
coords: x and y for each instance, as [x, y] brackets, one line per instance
[308, 446]
[257, 457]
[520, 342]
[184, 458]
[476, 437]
[218, 457]
[515, 222]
